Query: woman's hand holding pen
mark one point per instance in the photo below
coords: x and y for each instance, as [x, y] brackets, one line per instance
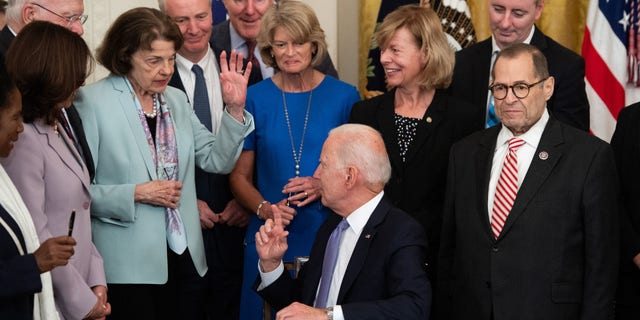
[162, 193]
[54, 252]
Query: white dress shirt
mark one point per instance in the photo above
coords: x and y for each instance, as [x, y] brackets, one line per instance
[525, 154]
[349, 238]
[211, 72]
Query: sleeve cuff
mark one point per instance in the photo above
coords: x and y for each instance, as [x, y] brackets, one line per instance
[267, 278]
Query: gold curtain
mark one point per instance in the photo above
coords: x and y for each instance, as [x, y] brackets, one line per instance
[562, 20]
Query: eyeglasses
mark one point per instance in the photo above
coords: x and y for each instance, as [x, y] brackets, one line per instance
[82, 18]
[520, 90]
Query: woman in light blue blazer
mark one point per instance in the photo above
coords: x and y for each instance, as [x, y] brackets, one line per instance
[49, 64]
[146, 142]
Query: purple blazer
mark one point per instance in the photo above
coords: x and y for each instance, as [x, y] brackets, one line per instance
[53, 180]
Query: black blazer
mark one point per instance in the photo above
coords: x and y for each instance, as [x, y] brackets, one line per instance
[221, 41]
[19, 275]
[74, 119]
[417, 186]
[626, 147]
[385, 278]
[556, 256]
[569, 102]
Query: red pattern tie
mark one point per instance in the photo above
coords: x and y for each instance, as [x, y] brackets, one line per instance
[507, 187]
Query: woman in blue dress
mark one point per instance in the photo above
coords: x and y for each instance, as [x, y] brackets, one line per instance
[293, 113]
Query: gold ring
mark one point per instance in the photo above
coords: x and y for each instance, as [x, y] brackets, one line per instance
[306, 194]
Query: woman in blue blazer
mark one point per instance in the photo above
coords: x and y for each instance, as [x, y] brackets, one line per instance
[146, 142]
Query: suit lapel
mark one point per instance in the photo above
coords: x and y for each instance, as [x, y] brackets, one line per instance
[552, 143]
[65, 150]
[481, 75]
[386, 119]
[428, 124]
[538, 40]
[6, 36]
[484, 161]
[361, 250]
[131, 113]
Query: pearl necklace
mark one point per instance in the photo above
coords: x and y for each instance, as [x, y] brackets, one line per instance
[297, 156]
[153, 113]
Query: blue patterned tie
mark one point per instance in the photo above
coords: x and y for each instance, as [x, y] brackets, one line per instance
[329, 263]
[201, 98]
[492, 119]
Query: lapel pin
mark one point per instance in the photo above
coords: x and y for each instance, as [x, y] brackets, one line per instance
[429, 120]
[367, 236]
[543, 155]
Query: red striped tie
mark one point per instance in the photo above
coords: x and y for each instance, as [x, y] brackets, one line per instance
[507, 187]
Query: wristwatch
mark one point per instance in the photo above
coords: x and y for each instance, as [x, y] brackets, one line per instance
[329, 313]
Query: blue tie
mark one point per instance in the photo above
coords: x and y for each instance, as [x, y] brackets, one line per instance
[329, 263]
[492, 119]
[201, 98]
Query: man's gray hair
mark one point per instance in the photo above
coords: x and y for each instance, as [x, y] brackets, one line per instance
[14, 11]
[363, 147]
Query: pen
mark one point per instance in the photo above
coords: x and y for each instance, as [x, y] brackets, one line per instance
[72, 219]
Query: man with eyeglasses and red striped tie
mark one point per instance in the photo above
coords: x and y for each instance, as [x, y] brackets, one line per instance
[531, 226]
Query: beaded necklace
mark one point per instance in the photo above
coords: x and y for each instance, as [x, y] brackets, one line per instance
[297, 156]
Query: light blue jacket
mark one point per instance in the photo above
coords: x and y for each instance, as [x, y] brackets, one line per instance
[131, 236]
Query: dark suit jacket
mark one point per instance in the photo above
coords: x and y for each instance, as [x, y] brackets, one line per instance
[626, 147]
[385, 278]
[215, 191]
[19, 275]
[74, 119]
[221, 41]
[417, 186]
[555, 257]
[569, 102]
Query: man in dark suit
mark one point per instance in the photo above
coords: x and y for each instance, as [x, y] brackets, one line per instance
[69, 14]
[530, 227]
[223, 220]
[512, 21]
[377, 270]
[242, 28]
[626, 147]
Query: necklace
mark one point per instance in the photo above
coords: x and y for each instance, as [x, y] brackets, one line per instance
[154, 112]
[297, 156]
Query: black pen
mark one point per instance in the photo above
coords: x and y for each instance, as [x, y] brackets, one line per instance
[72, 220]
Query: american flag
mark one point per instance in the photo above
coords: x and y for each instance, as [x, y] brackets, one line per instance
[610, 50]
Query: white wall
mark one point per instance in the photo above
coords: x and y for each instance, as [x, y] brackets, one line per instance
[339, 19]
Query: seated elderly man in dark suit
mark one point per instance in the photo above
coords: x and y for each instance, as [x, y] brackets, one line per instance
[368, 259]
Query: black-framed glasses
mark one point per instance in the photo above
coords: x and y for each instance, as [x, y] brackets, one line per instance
[520, 89]
[82, 18]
